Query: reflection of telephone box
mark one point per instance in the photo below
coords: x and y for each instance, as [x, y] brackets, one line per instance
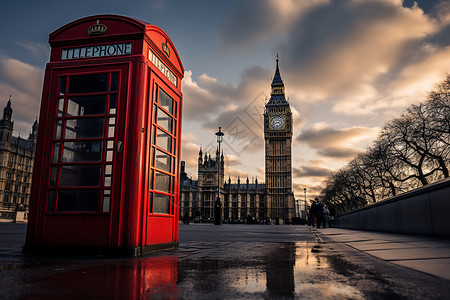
[108, 152]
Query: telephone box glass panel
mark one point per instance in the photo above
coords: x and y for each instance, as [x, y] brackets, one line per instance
[83, 146]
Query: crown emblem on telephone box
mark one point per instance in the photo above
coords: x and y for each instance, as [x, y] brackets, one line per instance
[97, 29]
[166, 48]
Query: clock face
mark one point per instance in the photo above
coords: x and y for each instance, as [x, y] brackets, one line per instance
[277, 123]
[277, 91]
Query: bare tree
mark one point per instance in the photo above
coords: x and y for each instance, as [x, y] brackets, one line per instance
[412, 150]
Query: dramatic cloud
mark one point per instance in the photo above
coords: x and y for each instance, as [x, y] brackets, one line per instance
[424, 74]
[347, 52]
[232, 160]
[311, 171]
[237, 109]
[340, 48]
[38, 50]
[336, 143]
[198, 102]
[189, 153]
[24, 83]
[251, 23]
[312, 191]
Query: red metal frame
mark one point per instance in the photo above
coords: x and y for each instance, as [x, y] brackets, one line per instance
[129, 225]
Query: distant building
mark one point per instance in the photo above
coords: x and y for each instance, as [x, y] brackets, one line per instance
[274, 199]
[16, 166]
[240, 200]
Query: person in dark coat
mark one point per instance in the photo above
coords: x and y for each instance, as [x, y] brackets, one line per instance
[319, 214]
[312, 213]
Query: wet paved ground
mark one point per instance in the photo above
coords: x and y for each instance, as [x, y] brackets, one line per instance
[228, 262]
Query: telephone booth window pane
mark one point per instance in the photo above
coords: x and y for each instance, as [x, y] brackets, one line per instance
[82, 151]
[164, 141]
[108, 175]
[162, 182]
[111, 126]
[151, 179]
[89, 105]
[114, 81]
[111, 130]
[60, 107]
[106, 203]
[84, 128]
[161, 204]
[110, 151]
[106, 200]
[165, 101]
[62, 85]
[150, 203]
[53, 176]
[109, 155]
[78, 200]
[91, 83]
[51, 201]
[58, 129]
[55, 152]
[112, 104]
[108, 170]
[80, 175]
[163, 161]
[155, 109]
[164, 120]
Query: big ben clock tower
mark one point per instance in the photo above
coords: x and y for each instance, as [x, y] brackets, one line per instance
[278, 144]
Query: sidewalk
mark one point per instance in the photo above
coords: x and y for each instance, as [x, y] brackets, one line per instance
[427, 254]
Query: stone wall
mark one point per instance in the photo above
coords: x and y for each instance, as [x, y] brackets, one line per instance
[424, 211]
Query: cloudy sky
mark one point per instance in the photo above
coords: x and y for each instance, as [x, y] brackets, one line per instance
[348, 66]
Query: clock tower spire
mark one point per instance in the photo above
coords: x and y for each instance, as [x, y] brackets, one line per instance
[277, 88]
[278, 152]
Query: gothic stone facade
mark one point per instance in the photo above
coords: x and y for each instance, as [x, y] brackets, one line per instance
[16, 166]
[240, 200]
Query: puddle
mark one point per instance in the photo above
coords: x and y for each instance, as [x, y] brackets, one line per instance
[289, 270]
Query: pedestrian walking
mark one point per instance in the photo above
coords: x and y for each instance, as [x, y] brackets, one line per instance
[326, 214]
[312, 213]
[319, 213]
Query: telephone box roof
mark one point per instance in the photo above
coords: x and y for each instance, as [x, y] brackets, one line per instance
[117, 28]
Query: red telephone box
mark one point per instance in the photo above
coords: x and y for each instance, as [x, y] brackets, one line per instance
[106, 174]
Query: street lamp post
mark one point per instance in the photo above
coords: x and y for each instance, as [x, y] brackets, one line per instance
[218, 204]
[306, 209]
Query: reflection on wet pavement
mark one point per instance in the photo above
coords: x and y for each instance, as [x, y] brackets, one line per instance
[225, 262]
[281, 270]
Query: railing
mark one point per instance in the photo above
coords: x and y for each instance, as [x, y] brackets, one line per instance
[424, 211]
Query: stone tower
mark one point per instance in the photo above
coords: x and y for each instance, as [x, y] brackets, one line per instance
[208, 172]
[6, 124]
[278, 152]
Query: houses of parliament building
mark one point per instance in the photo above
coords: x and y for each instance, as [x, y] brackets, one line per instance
[273, 199]
[16, 166]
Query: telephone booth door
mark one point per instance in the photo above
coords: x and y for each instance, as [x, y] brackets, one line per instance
[162, 213]
[85, 157]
